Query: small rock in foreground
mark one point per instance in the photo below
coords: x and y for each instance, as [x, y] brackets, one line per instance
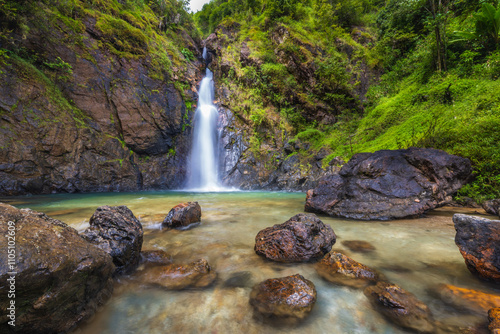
[494, 318]
[400, 307]
[290, 297]
[340, 269]
[472, 300]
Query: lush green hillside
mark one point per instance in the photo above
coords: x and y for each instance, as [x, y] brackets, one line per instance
[363, 75]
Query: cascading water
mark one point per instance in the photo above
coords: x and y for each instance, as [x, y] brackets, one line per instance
[204, 153]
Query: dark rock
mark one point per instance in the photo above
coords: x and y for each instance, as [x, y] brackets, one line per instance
[117, 231]
[288, 297]
[155, 258]
[479, 242]
[475, 301]
[492, 207]
[302, 238]
[494, 318]
[390, 184]
[61, 279]
[359, 246]
[340, 269]
[183, 215]
[177, 277]
[400, 307]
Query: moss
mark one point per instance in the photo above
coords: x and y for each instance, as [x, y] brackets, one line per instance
[123, 39]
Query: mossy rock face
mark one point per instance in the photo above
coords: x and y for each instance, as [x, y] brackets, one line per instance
[61, 278]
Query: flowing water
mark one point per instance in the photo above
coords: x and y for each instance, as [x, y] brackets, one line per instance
[417, 254]
[204, 153]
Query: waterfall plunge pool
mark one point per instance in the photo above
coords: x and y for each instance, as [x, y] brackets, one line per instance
[416, 254]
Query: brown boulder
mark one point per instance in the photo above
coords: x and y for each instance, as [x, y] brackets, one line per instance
[492, 207]
[340, 269]
[479, 242]
[494, 318]
[287, 297]
[471, 300]
[359, 246]
[183, 215]
[117, 231]
[177, 277]
[390, 184]
[302, 238]
[61, 279]
[400, 307]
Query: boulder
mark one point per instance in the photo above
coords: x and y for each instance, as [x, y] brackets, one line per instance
[183, 215]
[340, 269]
[302, 238]
[400, 307]
[117, 231]
[359, 246]
[472, 300]
[61, 279]
[494, 318]
[479, 242]
[177, 277]
[390, 184]
[290, 297]
[492, 207]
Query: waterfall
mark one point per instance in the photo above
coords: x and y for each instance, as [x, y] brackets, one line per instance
[204, 153]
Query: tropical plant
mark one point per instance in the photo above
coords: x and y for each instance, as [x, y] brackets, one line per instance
[487, 26]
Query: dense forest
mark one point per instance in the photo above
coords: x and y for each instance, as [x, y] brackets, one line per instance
[363, 75]
[331, 76]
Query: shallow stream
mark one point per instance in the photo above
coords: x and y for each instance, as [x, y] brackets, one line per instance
[417, 254]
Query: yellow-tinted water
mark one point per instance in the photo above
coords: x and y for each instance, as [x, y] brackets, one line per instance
[416, 254]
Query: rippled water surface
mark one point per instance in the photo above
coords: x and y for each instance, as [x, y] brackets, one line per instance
[415, 254]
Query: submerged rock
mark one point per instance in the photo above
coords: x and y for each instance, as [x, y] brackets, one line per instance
[302, 238]
[471, 300]
[390, 184]
[400, 307]
[492, 207]
[494, 318]
[60, 279]
[340, 269]
[479, 242]
[177, 277]
[287, 297]
[359, 246]
[117, 231]
[183, 215]
[155, 257]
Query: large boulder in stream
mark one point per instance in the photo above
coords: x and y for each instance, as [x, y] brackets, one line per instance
[117, 231]
[183, 215]
[390, 184]
[479, 242]
[401, 307]
[291, 297]
[60, 279]
[302, 238]
[492, 207]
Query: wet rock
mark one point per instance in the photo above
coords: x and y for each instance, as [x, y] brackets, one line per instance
[479, 242]
[302, 238]
[117, 231]
[492, 207]
[400, 307]
[183, 215]
[359, 246]
[61, 278]
[288, 297]
[467, 299]
[155, 257]
[177, 277]
[494, 318]
[390, 184]
[340, 269]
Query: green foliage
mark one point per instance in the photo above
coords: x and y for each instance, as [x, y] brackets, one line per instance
[188, 54]
[122, 37]
[487, 27]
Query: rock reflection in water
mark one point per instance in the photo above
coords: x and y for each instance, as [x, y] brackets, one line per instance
[425, 248]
